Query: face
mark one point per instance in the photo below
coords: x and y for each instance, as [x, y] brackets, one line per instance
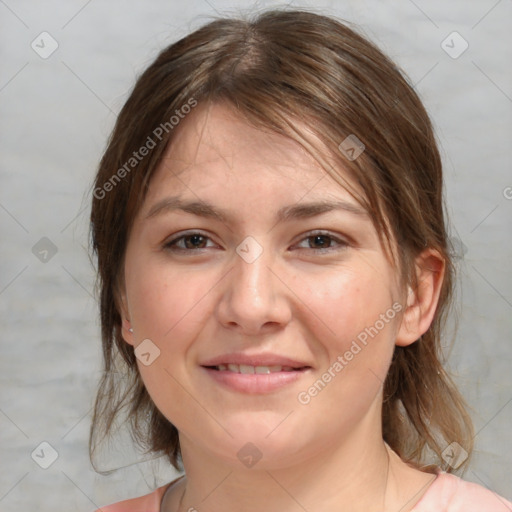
[263, 305]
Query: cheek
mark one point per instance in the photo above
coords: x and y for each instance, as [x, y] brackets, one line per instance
[168, 308]
[164, 301]
[348, 301]
[356, 333]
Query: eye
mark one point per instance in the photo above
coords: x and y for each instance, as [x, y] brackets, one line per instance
[188, 242]
[195, 241]
[322, 242]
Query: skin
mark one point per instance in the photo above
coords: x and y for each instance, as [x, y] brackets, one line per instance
[303, 297]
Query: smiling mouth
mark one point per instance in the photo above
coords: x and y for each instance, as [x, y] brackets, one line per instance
[256, 379]
[261, 370]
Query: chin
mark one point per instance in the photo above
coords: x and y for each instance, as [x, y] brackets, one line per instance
[261, 441]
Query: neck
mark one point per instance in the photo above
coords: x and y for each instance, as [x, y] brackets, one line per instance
[353, 475]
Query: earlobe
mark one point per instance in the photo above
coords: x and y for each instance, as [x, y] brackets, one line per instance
[422, 300]
[127, 331]
[126, 327]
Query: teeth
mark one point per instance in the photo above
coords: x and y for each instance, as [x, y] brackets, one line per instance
[244, 368]
[248, 369]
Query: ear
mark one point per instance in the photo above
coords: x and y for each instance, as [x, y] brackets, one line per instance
[126, 326]
[422, 301]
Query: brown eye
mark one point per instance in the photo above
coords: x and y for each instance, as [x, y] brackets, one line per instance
[188, 242]
[322, 242]
[195, 241]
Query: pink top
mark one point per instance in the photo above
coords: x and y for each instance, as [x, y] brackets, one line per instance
[447, 493]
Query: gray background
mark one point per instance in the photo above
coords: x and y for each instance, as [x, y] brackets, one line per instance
[55, 116]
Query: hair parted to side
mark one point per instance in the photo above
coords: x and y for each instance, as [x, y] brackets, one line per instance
[280, 71]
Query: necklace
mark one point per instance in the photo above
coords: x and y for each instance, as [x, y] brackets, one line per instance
[387, 476]
[181, 500]
[180, 504]
[163, 503]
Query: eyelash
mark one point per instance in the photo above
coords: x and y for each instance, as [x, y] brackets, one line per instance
[171, 245]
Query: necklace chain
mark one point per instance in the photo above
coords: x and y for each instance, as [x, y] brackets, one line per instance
[180, 504]
[181, 500]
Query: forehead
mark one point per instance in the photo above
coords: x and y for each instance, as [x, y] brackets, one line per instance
[214, 149]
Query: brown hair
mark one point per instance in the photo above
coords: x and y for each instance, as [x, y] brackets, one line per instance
[279, 70]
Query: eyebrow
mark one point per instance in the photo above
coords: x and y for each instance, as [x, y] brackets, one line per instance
[292, 212]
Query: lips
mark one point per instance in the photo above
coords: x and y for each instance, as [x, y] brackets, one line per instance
[255, 374]
[257, 360]
[247, 369]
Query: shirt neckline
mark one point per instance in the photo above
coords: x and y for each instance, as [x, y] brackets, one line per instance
[430, 489]
[425, 496]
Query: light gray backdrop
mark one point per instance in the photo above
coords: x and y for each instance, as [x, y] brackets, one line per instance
[56, 111]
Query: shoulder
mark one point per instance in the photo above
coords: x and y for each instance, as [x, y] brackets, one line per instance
[147, 503]
[449, 493]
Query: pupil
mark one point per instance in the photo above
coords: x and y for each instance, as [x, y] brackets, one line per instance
[321, 240]
[194, 241]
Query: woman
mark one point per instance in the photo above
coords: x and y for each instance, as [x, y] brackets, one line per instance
[274, 275]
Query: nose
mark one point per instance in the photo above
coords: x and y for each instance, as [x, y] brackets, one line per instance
[254, 297]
